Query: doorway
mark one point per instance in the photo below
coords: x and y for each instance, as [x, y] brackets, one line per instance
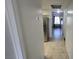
[46, 27]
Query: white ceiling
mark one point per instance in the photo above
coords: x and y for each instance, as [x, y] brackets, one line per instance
[46, 3]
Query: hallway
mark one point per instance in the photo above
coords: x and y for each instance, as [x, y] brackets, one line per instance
[25, 36]
[55, 50]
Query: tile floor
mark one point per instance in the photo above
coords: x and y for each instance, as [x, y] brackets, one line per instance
[55, 50]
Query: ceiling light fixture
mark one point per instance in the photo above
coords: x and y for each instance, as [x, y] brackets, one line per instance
[59, 11]
[70, 12]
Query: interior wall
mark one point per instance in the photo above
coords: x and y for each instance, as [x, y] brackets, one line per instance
[32, 27]
[9, 48]
[12, 48]
[69, 31]
[50, 24]
[19, 27]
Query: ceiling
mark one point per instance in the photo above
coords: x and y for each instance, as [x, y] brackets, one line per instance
[46, 3]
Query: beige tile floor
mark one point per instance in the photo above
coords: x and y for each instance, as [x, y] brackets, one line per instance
[55, 50]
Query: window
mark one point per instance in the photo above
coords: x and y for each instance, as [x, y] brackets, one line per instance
[57, 20]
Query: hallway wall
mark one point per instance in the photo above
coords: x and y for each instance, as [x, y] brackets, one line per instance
[12, 42]
[69, 31]
[9, 48]
[32, 27]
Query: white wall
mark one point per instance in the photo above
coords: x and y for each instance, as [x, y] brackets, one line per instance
[9, 49]
[19, 27]
[69, 31]
[13, 47]
[32, 27]
[50, 26]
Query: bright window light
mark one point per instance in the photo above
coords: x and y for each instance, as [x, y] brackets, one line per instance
[57, 20]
